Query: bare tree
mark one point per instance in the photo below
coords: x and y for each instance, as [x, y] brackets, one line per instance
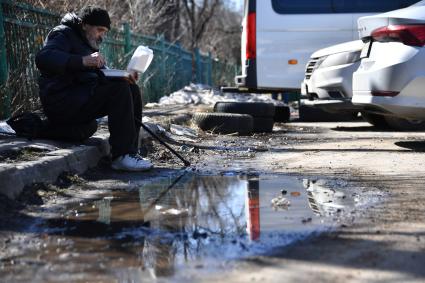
[224, 35]
[198, 15]
[167, 18]
[186, 21]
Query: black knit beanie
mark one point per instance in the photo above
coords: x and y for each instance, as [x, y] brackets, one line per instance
[95, 16]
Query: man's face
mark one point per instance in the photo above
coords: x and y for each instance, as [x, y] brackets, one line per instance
[94, 35]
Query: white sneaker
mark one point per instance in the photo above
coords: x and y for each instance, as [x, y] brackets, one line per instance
[131, 162]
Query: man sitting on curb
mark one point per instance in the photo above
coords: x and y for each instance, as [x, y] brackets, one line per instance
[73, 90]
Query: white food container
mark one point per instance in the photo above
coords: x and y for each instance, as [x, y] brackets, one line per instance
[141, 59]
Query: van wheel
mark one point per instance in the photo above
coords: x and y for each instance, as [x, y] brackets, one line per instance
[224, 123]
[282, 113]
[376, 120]
[404, 125]
[255, 109]
[263, 124]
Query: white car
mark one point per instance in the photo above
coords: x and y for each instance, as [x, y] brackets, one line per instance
[328, 201]
[328, 77]
[328, 86]
[391, 77]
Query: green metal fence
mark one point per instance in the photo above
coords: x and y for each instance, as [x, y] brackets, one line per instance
[22, 32]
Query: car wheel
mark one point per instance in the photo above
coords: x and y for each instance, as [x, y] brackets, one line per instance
[404, 125]
[375, 119]
[255, 109]
[224, 123]
[263, 124]
[282, 113]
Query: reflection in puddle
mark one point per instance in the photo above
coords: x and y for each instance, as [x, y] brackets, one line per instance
[166, 228]
[104, 206]
[328, 201]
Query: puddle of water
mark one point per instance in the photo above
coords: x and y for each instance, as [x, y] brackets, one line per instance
[168, 228]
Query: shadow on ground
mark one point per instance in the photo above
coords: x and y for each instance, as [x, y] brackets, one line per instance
[368, 255]
[416, 146]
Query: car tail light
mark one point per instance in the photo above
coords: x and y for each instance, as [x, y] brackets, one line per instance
[385, 93]
[251, 49]
[412, 35]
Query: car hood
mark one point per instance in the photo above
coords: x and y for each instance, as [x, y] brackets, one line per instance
[351, 46]
[411, 15]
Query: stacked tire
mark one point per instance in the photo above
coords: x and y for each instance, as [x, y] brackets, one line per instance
[282, 113]
[261, 112]
[224, 123]
[237, 117]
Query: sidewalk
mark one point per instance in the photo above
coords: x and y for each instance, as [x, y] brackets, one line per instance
[23, 162]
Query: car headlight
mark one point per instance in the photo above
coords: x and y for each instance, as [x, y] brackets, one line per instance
[340, 59]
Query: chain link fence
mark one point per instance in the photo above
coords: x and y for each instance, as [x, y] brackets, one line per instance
[23, 29]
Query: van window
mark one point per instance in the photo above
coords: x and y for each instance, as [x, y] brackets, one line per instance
[338, 6]
[302, 6]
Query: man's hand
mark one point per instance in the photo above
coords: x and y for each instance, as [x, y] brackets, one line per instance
[94, 60]
[134, 76]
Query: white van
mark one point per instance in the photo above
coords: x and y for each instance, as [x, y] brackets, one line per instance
[279, 36]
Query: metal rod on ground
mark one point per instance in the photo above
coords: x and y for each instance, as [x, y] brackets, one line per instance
[186, 163]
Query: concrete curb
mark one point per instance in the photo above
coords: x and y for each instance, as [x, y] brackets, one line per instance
[77, 159]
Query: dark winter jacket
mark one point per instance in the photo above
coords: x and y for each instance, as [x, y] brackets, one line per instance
[65, 84]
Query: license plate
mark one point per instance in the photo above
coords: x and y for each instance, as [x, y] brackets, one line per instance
[366, 50]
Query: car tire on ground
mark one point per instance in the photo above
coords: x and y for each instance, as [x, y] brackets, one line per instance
[375, 119]
[282, 113]
[404, 125]
[263, 124]
[224, 123]
[255, 109]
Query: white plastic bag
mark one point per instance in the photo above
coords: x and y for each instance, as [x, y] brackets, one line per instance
[141, 59]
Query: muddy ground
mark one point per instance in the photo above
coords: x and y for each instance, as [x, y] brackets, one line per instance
[383, 242]
[387, 244]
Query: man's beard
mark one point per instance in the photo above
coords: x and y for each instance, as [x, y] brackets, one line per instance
[94, 42]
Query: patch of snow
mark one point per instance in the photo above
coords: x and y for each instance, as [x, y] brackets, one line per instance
[4, 127]
[201, 94]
